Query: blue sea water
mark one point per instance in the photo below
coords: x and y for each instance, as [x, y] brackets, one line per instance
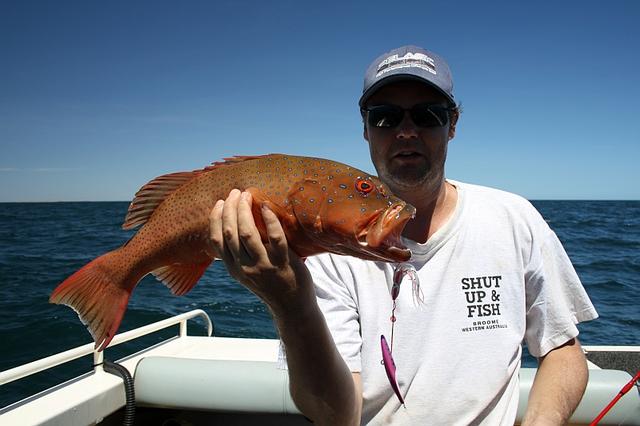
[43, 243]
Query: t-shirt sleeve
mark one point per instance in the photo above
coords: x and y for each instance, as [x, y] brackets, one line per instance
[555, 299]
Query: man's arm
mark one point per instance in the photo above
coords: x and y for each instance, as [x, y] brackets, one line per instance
[321, 384]
[558, 386]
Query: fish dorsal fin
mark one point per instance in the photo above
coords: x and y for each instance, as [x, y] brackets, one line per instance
[230, 161]
[151, 195]
[180, 277]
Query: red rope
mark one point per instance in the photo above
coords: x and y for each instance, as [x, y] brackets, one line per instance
[620, 394]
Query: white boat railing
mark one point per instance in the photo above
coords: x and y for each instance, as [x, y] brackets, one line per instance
[34, 367]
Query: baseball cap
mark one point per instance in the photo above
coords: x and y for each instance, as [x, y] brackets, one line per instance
[408, 63]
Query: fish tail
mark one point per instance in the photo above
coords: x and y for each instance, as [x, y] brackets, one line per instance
[99, 293]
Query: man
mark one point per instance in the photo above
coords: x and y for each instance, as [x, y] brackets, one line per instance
[486, 273]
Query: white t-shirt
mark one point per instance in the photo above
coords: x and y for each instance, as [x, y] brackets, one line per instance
[493, 276]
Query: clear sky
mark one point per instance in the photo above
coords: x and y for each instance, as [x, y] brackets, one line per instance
[97, 98]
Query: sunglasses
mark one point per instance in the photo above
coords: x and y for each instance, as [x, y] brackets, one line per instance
[423, 115]
[387, 351]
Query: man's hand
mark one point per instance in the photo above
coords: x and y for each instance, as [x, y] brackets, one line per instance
[321, 385]
[271, 270]
[558, 386]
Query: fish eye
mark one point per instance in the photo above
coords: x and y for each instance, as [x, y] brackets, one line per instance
[364, 186]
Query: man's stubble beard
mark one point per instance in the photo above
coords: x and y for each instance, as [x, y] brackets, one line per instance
[408, 180]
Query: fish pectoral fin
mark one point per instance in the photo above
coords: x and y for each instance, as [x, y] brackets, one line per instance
[260, 199]
[181, 277]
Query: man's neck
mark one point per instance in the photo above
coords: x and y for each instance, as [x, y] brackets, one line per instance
[432, 212]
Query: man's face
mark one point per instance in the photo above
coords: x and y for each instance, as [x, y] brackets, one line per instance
[408, 156]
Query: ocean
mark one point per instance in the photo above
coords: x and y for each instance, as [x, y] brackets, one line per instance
[43, 243]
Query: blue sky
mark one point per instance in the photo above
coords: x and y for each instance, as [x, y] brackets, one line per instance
[97, 98]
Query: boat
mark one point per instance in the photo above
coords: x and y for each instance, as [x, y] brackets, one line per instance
[194, 379]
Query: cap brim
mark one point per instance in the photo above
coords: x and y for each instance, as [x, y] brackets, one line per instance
[400, 77]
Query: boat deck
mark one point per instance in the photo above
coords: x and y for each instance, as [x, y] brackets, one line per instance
[191, 380]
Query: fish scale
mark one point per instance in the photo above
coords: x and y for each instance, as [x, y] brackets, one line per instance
[323, 206]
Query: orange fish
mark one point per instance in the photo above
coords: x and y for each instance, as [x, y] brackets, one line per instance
[324, 206]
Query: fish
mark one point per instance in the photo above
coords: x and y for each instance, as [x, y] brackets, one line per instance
[323, 206]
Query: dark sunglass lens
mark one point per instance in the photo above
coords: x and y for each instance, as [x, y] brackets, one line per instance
[429, 115]
[385, 116]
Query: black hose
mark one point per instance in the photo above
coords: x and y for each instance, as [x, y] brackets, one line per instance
[130, 404]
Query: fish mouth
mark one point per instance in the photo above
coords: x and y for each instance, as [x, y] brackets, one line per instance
[381, 236]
